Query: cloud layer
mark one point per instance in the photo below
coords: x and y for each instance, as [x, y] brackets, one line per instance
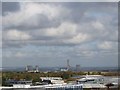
[80, 29]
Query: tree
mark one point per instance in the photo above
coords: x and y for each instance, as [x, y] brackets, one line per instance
[65, 75]
[36, 79]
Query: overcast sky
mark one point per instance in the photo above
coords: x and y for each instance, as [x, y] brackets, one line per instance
[47, 34]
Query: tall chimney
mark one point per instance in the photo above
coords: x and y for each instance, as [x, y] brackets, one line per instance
[68, 65]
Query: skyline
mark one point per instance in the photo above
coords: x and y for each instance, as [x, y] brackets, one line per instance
[47, 34]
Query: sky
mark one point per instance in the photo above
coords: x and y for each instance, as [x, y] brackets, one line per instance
[49, 33]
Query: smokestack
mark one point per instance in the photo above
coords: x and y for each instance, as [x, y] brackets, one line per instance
[77, 68]
[68, 65]
[37, 68]
[26, 68]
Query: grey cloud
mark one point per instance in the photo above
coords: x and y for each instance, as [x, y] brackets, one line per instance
[57, 54]
[96, 20]
[75, 15]
[0, 9]
[10, 7]
[38, 21]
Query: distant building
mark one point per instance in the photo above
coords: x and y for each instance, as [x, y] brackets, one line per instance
[36, 69]
[68, 64]
[77, 68]
[26, 69]
[63, 69]
[52, 80]
[31, 69]
[13, 82]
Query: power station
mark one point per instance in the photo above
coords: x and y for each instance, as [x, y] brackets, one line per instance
[31, 69]
[68, 65]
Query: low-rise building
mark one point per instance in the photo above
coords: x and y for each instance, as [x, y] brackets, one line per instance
[52, 80]
[15, 82]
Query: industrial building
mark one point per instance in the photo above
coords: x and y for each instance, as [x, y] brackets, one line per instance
[29, 68]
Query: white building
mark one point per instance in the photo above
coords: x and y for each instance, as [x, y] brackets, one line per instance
[53, 80]
[91, 79]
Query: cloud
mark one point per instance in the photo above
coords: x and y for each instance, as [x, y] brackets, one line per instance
[10, 7]
[62, 1]
[79, 38]
[15, 35]
[60, 23]
[79, 31]
[32, 15]
[65, 29]
[107, 45]
[98, 25]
